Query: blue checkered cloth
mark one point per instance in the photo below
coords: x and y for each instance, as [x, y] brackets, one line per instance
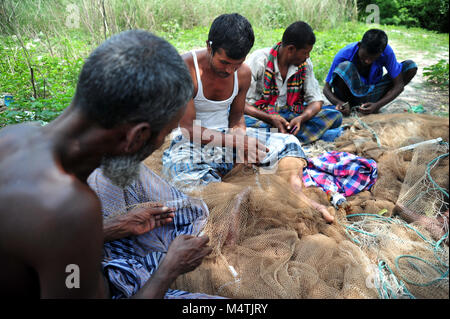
[340, 172]
[188, 165]
[314, 129]
[362, 92]
[129, 262]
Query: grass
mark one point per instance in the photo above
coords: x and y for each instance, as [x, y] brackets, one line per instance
[112, 16]
[57, 61]
[53, 37]
[417, 39]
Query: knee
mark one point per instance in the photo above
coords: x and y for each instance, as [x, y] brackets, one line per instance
[338, 84]
[410, 73]
[410, 63]
[345, 65]
[334, 117]
[289, 166]
[337, 120]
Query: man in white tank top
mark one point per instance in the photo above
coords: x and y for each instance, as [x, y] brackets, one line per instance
[221, 81]
[212, 134]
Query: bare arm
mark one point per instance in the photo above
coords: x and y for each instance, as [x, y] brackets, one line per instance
[198, 133]
[137, 221]
[236, 117]
[185, 254]
[275, 120]
[311, 110]
[390, 95]
[257, 113]
[330, 95]
[68, 257]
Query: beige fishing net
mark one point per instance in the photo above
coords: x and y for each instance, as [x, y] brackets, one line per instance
[424, 194]
[270, 243]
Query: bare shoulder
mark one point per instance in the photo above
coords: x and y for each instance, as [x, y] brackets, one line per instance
[14, 137]
[188, 59]
[244, 76]
[49, 218]
[47, 202]
[39, 199]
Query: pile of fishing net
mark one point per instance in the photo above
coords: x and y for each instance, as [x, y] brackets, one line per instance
[391, 242]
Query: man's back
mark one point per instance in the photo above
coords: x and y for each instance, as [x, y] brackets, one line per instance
[41, 207]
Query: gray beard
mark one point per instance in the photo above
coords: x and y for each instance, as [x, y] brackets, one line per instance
[122, 171]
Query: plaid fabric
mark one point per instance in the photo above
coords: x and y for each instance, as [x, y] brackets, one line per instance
[364, 93]
[129, 262]
[187, 165]
[312, 130]
[340, 172]
[271, 93]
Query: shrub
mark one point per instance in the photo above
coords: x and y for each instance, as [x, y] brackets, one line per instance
[428, 14]
[438, 73]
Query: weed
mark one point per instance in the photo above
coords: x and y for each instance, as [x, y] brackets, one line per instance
[438, 73]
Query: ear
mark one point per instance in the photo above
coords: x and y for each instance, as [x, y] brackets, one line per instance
[136, 137]
[291, 48]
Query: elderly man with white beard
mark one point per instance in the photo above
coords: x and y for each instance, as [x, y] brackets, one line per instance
[61, 183]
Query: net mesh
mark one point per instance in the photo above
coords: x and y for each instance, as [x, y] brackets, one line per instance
[269, 242]
[424, 194]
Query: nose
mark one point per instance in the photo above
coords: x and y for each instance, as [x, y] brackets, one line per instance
[230, 68]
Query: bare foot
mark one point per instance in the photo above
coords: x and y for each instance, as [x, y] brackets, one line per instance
[327, 213]
[290, 169]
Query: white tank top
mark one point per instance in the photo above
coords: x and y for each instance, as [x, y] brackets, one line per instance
[212, 114]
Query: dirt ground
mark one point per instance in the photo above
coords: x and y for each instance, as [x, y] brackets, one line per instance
[433, 99]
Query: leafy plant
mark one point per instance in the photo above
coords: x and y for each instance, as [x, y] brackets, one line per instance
[428, 14]
[438, 73]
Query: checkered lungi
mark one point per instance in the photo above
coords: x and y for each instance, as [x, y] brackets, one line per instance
[189, 165]
[327, 119]
[129, 262]
[340, 172]
[364, 93]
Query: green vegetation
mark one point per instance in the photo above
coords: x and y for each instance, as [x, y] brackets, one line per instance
[428, 14]
[100, 17]
[438, 73]
[42, 49]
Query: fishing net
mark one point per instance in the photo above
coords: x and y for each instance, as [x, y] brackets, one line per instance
[423, 197]
[409, 264]
[269, 242]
